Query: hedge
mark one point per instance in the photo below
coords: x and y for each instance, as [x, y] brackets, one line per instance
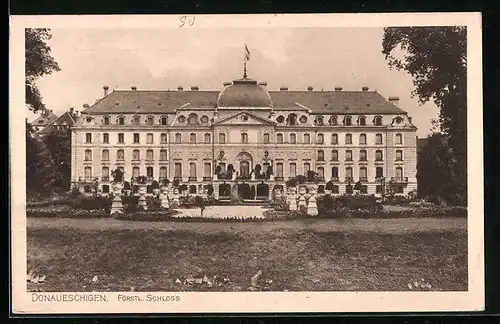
[59, 213]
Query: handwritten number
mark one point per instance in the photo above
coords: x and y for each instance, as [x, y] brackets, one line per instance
[190, 20]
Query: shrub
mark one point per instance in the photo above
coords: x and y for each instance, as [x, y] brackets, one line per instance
[93, 203]
[153, 203]
[75, 192]
[130, 204]
[60, 212]
[148, 216]
[328, 204]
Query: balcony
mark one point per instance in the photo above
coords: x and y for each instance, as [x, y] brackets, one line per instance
[105, 178]
[207, 178]
[399, 179]
[192, 178]
[178, 178]
[335, 179]
[321, 179]
[363, 179]
[149, 178]
[223, 176]
[279, 178]
[348, 179]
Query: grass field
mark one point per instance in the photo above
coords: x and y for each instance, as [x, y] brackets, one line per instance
[292, 259]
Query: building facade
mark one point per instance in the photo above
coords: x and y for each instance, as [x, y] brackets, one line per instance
[195, 136]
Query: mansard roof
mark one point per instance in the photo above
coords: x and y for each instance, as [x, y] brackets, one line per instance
[167, 101]
[45, 118]
[64, 119]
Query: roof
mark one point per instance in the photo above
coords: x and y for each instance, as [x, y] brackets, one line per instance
[244, 93]
[45, 119]
[141, 101]
[64, 119]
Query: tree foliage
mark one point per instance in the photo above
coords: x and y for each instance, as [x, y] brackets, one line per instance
[38, 62]
[59, 145]
[436, 58]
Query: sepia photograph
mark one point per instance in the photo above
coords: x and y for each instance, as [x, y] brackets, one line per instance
[248, 158]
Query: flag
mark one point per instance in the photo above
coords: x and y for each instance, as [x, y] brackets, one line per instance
[247, 53]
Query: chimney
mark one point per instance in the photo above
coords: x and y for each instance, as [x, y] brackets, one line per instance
[225, 84]
[76, 113]
[310, 88]
[338, 88]
[394, 100]
[105, 88]
[71, 110]
[283, 88]
[180, 88]
[409, 119]
[195, 88]
[263, 84]
[134, 88]
[365, 88]
[85, 106]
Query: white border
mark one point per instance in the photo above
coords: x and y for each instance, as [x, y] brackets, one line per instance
[201, 302]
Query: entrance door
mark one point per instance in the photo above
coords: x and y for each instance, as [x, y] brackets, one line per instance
[244, 168]
[244, 191]
[262, 191]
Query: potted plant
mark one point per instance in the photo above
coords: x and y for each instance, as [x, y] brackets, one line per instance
[329, 187]
[218, 171]
[183, 188]
[155, 185]
[290, 183]
[141, 181]
[176, 183]
[301, 179]
[127, 188]
[117, 175]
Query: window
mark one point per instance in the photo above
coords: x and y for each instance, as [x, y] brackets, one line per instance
[88, 138]
[348, 173]
[377, 121]
[136, 155]
[303, 119]
[105, 120]
[149, 138]
[318, 121]
[105, 173]
[222, 138]
[121, 138]
[399, 189]
[399, 173]
[266, 138]
[378, 155]
[88, 155]
[163, 155]
[321, 155]
[163, 138]
[362, 121]
[136, 120]
[178, 138]
[105, 138]
[279, 169]
[320, 139]
[348, 155]
[335, 155]
[105, 189]
[135, 172]
[293, 170]
[136, 138]
[181, 119]
[192, 189]
[105, 155]
[399, 139]
[335, 139]
[163, 121]
[192, 138]
[379, 189]
[307, 167]
[192, 170]
[193, 119]
[121, 120]
[280, 119]
[362, 138]
[204, 119]
[335, 172]
[149, 155]
[178, 170]
[321, 172]
[362, 155]
[378, 139]
[120, 155]
[149, 173]
[222, 167]
[163, 173]
[244, 138]
[207, 138]
[150, 120]
[88, 173]
[279, 138]
[399, 155]
[379, 172]
[364, 189]
[333, 121]
[347, 121]
[292, 119]
[335, 189]
[362, 174]
[207, 169]
[307, 138]
[348, 138]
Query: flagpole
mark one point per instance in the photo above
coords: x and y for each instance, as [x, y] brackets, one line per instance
[245, 67]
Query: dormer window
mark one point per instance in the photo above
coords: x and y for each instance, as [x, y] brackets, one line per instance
[163, 120]
[181, 119]
[303, 119]
[347, 121]
[121, 120]
[88, 119]
[193, 119]
[280, 119]
[244, 117]
[362, 121]
[204, 119]
[292, 120]
[333, 121]
[105, 120]
[150, 120]
[318, 121]
[377, 121]
[398, 120]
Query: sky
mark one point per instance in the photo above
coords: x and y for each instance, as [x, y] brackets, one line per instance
[166, 58]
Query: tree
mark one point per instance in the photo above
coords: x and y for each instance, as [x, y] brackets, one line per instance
[59, 145]
[39, 62]
[436, 59]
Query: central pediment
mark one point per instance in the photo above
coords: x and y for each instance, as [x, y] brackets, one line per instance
[245, 118]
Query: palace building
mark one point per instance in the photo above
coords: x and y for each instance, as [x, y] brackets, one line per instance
[194, 136]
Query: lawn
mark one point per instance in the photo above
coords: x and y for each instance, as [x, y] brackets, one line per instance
[290, 259]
